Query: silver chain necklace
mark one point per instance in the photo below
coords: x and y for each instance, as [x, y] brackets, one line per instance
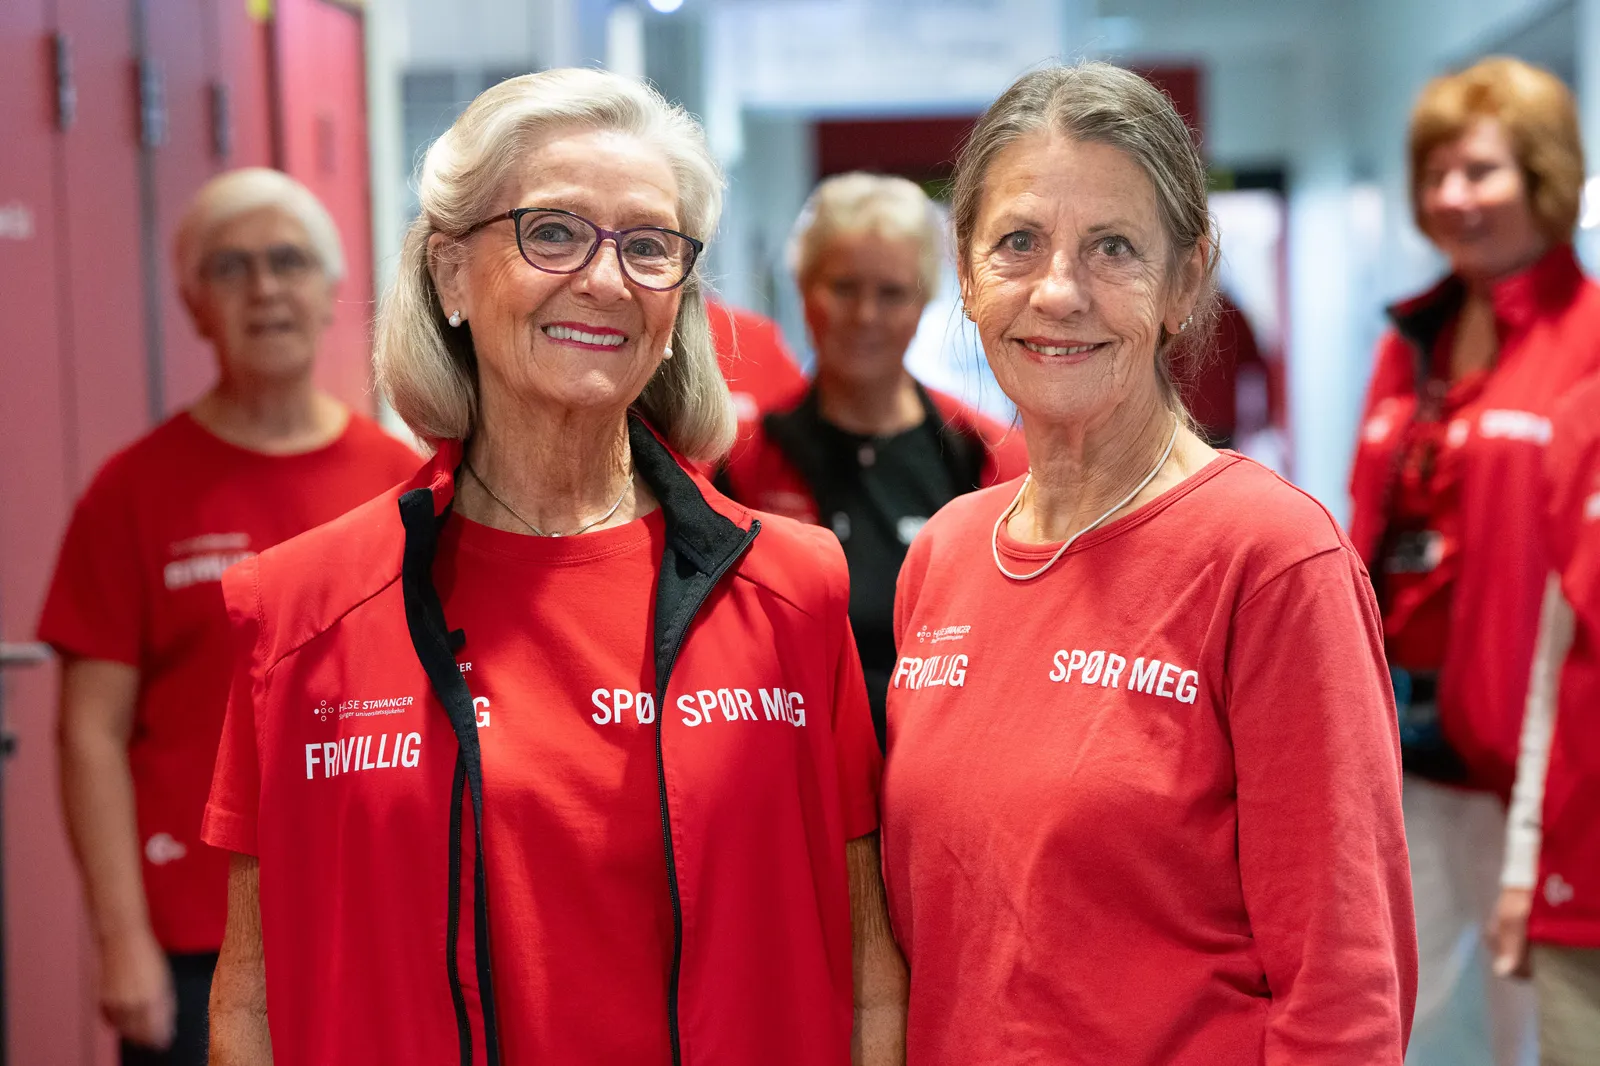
[994, 535]
[626, 485]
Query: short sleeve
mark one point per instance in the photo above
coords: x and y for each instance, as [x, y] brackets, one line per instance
[1322, 850]
[95, 608]
[230, 817]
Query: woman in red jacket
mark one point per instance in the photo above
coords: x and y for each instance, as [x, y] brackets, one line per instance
[1142, 797]
[868, 452]
[135, 610]
[1550, 884]
[553, 754]
[1446, 485]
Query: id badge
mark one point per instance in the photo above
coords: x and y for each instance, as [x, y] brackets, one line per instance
[1418, 551]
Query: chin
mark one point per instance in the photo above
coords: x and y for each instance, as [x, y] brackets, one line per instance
[275, 362]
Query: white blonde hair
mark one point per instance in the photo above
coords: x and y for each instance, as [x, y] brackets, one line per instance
[858, 202]
[429, 370]
[239, 192]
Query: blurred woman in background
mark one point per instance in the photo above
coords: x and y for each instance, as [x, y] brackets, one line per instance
[1446, 484]
[1550, 885]
[135, 610]
[869, 452]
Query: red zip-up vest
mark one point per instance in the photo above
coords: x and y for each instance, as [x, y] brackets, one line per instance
[1548, 321]
[374, 906]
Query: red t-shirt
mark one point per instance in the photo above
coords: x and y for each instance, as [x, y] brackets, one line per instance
[767, 766]
[581, 928]
[1145, 809]
[138, 582]
[1566, 909]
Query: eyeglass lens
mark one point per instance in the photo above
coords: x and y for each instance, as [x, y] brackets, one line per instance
[286, 262]
[562, 243]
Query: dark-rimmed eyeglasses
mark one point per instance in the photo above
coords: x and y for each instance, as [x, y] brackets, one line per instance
[232, 267]
[560, 242]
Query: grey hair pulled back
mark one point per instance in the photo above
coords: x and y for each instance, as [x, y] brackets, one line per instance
[1102, 104]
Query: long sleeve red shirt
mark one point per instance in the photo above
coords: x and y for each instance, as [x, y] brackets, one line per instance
[1145, 809]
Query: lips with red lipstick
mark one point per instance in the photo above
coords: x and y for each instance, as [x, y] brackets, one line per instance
[582, 335]
[1061, 349]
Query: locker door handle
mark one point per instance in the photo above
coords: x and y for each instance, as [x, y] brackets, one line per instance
[28, 653]
[152, 104]
[66, 84]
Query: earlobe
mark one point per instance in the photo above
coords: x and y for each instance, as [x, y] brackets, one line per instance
[446, 272]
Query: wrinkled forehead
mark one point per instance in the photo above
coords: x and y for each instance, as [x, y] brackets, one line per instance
[612, 177]
[254, 230]
[1046, 180]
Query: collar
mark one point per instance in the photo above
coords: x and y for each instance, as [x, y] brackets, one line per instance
[699, 530]
[1539, 291]
[806, 439]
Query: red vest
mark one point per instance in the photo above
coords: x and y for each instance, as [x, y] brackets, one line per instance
[373, 900]
[1548, 318]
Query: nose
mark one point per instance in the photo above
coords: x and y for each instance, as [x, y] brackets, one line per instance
[603, 277]
[264, 281]
[1454, 191]
[1060, 293]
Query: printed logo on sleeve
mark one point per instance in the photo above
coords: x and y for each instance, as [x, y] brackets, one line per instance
[1557, 890]
[163, 848]
[1104, 669]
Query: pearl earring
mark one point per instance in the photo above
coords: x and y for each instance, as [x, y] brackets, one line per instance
[668, 353]
[455, 318]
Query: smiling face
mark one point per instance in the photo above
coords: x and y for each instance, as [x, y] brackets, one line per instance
[262, 298]
[863, 301]
[582, 342]
[1475, 206]
[1070, 279]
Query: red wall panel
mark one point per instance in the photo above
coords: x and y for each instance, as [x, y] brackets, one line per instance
[104, 342]
[323, 114]
[176, 42]
[44, 949]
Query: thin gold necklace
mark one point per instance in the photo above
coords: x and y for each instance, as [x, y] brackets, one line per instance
[994, 536]
[626, 485]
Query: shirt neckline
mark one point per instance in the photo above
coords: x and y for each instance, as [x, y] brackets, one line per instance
[1022, 551]
[194, 426]
[482, 540]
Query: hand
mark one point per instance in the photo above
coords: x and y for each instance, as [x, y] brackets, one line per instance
[136, 994]
[1508, 932]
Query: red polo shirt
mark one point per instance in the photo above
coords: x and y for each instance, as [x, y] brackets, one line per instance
[1492, 445]
[1566, 907]
[670, 729]
[138, 582]
[1145, 809]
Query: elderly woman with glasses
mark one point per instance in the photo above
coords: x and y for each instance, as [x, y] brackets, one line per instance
[869, 452]
[136, 611]
[553, 754]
